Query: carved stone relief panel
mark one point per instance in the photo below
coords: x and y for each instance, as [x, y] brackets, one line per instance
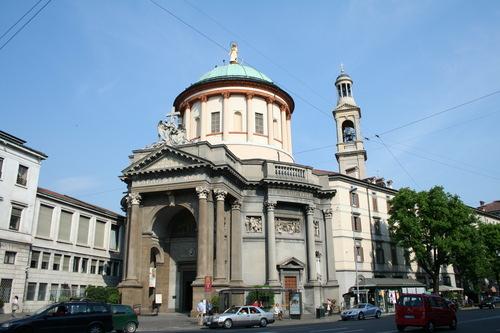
[253, 224]
[285, 225]
[316, 228]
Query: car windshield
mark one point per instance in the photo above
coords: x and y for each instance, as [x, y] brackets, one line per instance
[43, 309]
[232, 310]
[360, 306]
[410, 301]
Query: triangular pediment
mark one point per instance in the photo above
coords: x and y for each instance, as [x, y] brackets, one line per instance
[346, 106]
[163, 159]
[291, 263]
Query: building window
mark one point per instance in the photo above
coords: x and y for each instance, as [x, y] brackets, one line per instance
[30, 294]
[5, 290]
[66, 263]
[376, 227]
[54, 289]
[116, 268]
[354, 199]
[379, 253]
[100, 227]
[276, 129]
[93, 265]
[22, 175]
[57, 262]
[42, 291]
[15, 217]
[84, 265]
[100, 269]
[35, 255]
[83, 230]
[10, 258]
[114, 240]
[375, 203]
[356, 223]
[44, 221]
[388, 202]
[215, 122]
[64, 233]
[259, 123]
[76, 264]
[1, 166]
[358, 251]
[45, 260]
[394, 254]
[237, 122]
[197, 126]
[407, 257]
[108, 268]
[74, 290]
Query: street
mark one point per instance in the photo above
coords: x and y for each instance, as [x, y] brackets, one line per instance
[468, 321]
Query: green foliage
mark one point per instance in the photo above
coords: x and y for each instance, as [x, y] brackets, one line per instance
[490, 236]
[261, 293]
[103, 294]
[215, 300]
[434, 225]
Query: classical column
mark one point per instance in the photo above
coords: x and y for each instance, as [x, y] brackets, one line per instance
[250, 118]
[272, 273]
[134, 234]
[283, 128]
[220, 245]
[203, 118]
[270, 123]
[225, 116]
[236, 243]
[202, 259]
[289, 131]
[187, 121]
[330, 256]
[311, 246]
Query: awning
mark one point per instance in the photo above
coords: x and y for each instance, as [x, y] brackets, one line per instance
[449, 288]
[388, 283]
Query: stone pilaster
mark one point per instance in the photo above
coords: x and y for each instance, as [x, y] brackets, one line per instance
[284, 133]
[250, 118]
[225, 116]
[330, 255]
[311, 246]
[272, 273]
[220, 262]
[202, 260]
[270, 123]
[187, 121]
[203, 118]
[236, 244]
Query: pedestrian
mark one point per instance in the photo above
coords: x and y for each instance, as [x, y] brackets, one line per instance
[278, 313]
[257, 303]
[209, 308]
[329, 306]
[201, 309]
[15, 306]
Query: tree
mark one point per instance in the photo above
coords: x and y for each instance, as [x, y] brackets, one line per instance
[490, 235]
[103, 294]
[432, 224]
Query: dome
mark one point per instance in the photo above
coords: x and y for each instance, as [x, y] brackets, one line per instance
[234, 71]
[343, 76]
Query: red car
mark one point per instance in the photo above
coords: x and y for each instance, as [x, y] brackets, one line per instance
[427, 311]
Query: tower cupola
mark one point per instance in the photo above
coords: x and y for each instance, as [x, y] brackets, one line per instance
[344, 88]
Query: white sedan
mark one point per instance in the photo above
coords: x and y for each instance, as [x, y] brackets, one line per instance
[361, 311]
[240, 316]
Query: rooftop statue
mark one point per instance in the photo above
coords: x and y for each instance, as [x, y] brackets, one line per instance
[169, 132]
[233, 53]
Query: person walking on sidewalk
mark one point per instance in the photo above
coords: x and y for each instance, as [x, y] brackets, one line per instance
[201, 308]
[15, 306]
[278, 313]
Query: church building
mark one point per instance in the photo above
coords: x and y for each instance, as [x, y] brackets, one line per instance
[219, 206]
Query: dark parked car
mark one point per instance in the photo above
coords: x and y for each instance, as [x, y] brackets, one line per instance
[85, 317]
[490, 302]
[124, 318]
[427, 311]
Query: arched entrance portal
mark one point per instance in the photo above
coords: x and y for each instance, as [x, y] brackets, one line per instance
[175, 229]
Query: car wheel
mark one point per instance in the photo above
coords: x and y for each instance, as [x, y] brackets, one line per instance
[263, 322]
[131, 327]
[228, 323]
[361, 316]
[430, 327]
[378, 314]
[453, 324]
[95, 329]
[401, 328]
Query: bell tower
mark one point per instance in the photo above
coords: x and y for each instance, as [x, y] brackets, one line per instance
[351, 154]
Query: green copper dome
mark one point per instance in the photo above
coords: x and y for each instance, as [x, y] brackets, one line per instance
[234, 71]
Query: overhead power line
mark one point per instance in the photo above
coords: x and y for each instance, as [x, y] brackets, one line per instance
[24, 25]
[20, 19]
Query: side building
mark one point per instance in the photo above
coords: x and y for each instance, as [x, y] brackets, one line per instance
[75, 244]
[19, 171]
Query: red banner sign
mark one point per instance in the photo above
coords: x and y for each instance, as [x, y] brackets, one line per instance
[208, 284]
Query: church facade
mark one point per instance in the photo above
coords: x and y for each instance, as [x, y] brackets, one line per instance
[219, 206]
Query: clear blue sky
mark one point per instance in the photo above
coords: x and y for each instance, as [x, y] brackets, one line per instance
[87, 81]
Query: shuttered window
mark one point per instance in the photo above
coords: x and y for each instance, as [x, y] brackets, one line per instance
[100, 227]
[83, 230]
[114, 237]
[215, 122]
[44, 221]
[65, 226]
[259, 123]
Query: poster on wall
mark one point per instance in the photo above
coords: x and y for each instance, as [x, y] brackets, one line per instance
[158, 298]
[152, 277]
[208, 284]
[295, 304]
